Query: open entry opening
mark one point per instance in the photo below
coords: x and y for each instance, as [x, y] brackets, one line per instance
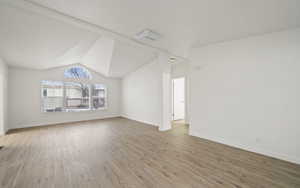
[175, 98]
[178, 102]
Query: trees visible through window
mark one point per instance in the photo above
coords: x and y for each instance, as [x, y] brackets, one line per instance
[98, 96]
[74, 95]
[77, 72]
[77, 96]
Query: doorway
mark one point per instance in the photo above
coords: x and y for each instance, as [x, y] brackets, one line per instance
[178, 99]
[175, 98]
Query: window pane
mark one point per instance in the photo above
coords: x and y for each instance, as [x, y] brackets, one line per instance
[98, 96]
[52, 96]
[77, 72]
[98, 103]
[77, 96]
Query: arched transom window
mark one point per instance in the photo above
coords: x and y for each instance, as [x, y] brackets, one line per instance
[77, 72]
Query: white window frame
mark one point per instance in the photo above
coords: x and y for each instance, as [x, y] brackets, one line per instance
[64, 109]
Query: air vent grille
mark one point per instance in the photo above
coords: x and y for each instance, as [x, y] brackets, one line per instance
[148, 34]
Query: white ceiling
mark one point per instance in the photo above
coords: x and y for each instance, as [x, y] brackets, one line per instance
[127, 58]
[36, 41]
[99, 55]
[185, 22]
[33, 41]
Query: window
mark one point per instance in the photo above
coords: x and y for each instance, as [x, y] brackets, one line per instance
[77, 72]
[52, 96]
[98, 96]
[74, 95]
[77, 96]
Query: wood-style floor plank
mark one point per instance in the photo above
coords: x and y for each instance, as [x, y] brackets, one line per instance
[117, 152]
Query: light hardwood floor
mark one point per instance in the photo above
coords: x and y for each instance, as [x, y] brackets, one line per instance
[123, 153]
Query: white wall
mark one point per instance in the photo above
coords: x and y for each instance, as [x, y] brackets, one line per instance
[24, 104]
[142, 94]
[3, 97]
[147, 92]
[180, 70]
[245, 93]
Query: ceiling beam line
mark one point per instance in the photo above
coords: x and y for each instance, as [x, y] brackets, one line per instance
[52, 13]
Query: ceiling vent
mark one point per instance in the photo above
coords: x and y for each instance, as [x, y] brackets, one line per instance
[148, 34]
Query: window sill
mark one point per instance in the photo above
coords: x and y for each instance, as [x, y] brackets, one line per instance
[77, 110]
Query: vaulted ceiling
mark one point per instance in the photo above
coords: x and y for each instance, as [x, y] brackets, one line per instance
[33, 39]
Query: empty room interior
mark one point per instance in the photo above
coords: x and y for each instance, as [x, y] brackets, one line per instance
[149, 94]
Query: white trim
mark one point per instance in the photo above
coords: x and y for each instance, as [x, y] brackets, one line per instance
[142, 121]
[164, 129]
[166, 101]
[261, 151]
[61, 122]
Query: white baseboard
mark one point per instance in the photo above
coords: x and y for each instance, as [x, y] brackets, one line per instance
[60, 122]
[276, 155]
[142, 121]
[164, 129]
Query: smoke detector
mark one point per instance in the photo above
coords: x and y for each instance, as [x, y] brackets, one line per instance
[148, 34]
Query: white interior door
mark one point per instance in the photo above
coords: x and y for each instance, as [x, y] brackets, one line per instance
[178, 98]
